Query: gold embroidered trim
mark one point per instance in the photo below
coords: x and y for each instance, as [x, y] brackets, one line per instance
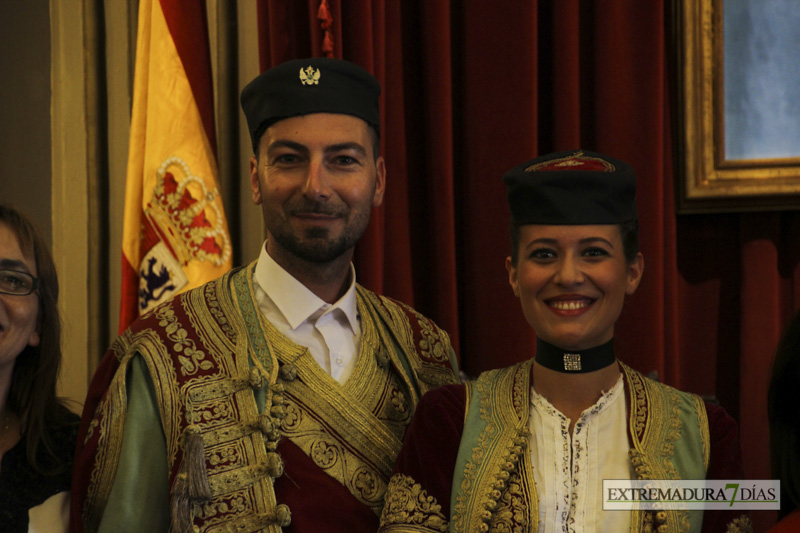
[656, 427]
[410, 508]
[499, 469]
[705, 435]
[352, 431]
[742, 524]
[340, 433]
[240, 465]
[192, 359]
[433, 342]
[428, 358]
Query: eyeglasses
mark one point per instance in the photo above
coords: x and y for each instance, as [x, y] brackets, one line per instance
[17, 283]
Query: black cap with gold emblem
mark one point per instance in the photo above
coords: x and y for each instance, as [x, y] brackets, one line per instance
[305, 86]
[572, 188]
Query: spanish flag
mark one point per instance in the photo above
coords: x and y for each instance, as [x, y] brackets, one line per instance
[175, 236]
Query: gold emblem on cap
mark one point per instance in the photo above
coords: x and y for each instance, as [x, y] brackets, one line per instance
[309, 76]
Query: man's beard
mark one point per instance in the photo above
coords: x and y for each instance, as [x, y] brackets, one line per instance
[314, 245]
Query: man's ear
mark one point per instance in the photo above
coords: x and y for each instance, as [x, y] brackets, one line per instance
[255, 186]
[380, 182]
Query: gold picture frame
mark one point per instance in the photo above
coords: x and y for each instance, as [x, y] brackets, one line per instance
[709, 180]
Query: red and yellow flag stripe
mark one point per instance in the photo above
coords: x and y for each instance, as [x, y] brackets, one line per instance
[175, 236]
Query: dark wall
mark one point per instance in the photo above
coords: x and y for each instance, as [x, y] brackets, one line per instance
[25, 160]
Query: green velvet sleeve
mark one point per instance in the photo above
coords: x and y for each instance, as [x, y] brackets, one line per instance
[139, 498]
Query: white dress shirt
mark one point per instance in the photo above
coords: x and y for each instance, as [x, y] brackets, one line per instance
[569, 469]
[331, 332]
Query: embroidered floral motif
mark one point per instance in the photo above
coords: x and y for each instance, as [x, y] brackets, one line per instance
[399, 401]
[324, 454]
[743, 524]
[233, 504]
[407, 504]
[292, 419]
[216, 410]
[192, 359]
[512, 512]
[366, 484]
[431, 345]
[224, 455]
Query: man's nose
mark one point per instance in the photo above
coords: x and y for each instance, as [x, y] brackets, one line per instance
[316, 183]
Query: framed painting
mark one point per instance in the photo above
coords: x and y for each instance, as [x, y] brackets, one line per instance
[739, 95]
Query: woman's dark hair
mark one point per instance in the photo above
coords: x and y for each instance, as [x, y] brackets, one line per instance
[629, 232]
[783, 410]
[32, 396]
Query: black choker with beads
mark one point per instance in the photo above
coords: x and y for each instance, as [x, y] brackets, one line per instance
[574, 361]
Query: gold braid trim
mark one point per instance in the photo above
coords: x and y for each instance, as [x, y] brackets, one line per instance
[498, 475]
[657, 431]
[409, 508]
[705, 432]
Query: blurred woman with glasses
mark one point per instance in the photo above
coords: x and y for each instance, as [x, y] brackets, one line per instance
[37, 431]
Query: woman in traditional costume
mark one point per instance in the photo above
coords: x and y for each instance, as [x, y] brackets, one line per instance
[526, 448]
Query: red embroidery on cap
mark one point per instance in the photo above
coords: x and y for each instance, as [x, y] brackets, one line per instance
[576, 161]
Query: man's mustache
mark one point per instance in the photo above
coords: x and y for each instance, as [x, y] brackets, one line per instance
[315, 208]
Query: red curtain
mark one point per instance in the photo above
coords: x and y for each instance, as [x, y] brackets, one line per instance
[473, 88]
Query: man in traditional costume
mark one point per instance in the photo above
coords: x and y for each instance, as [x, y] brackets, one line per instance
[526, 448]
[274, 398]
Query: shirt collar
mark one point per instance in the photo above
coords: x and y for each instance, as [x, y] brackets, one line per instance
[294, 300]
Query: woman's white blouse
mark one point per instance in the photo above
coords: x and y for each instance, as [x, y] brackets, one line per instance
[569, 470]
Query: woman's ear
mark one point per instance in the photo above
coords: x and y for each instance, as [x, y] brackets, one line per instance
[512, 276]
[635, 270]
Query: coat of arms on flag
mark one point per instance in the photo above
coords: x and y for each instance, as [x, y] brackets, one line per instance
[181, 223]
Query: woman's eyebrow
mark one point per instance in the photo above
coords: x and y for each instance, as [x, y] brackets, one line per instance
[589, 240]
[14, 264]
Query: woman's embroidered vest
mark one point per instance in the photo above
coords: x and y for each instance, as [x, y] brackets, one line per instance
[493, 487]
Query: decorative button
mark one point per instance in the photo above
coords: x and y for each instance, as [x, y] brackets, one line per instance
[288, 372]
[382, 359]
[274, 465]
[283, 516]
[256, 378]
[265, 424]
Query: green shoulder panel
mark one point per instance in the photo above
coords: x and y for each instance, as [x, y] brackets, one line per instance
[669, 439]
[493, 480]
